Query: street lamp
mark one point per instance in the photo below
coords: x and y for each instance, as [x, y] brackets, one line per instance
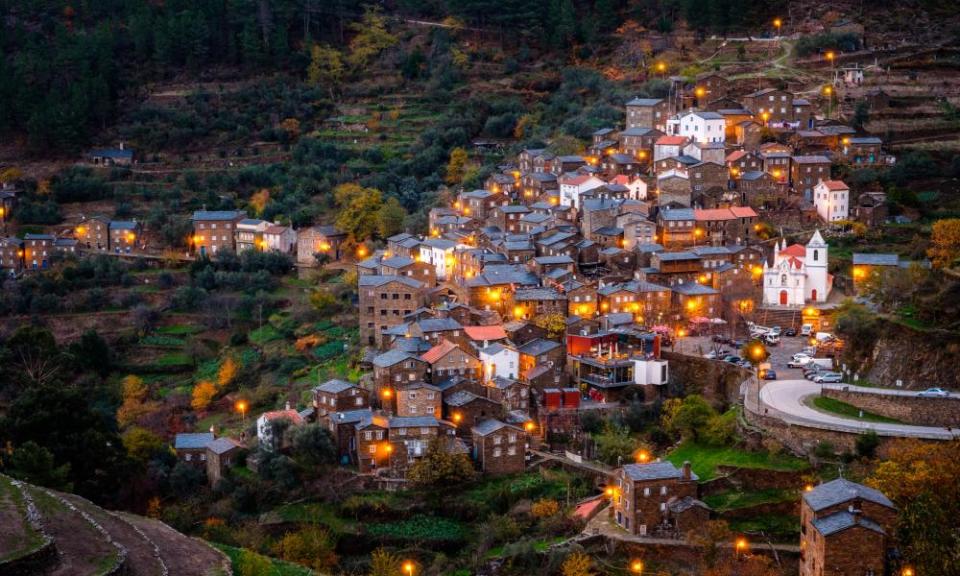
[642, 456]
[242, 409]
[741, 546]
[907, 571]
[776, 24]
[636, 566]
[408, 568]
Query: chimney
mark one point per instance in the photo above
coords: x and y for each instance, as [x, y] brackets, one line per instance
[213, 430]
[287, 405]
[121, 144]
[685, 472]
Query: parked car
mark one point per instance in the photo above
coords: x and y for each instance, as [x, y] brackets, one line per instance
[813, 370]
[828, 378]
[806, 330]
[790, 332]
[712, 355]
[776, 331]
[733, 359]
[798, 362]
[935, 392]
[745, 364]
[772, 339]
[769, 375]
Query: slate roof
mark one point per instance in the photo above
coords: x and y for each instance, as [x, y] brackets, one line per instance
[192, 441]
[223, 445]
[654, 471]
[352, 416]
[334, 386]
[534, 294]
[644, 101]
[112, 153]
[218, 215]
[678, 505]
[839, 521]
[490, 426]
[439, 324]
[376, 280]
[608, 231]
[676, 256]
[392, 357]
[677, 214]
[460, 398]
[123, 225]
[693, 289]
[636, 131]
[561, 259]
[413, 422]
[875, 259]
[841, 490]
[538, 346]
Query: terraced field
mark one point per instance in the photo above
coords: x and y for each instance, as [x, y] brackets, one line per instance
[48, 533]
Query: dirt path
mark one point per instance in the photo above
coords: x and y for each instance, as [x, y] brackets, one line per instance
[83, 549]
[184, 556]
[143, 557]
[16, 536]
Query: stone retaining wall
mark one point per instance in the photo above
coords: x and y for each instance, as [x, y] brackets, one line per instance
[718, 381]
[917, 410]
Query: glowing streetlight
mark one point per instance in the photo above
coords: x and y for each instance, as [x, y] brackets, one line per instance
[636, 566]
[642, 456]
[700, 92]
[830, 56]
[242, 409]
[766, 118]
[741, 546]
[408, 568]
[529, 426]
[457, 418]
[776, 24]
[808, 488]
[907, 571]
[386, 393]
[361, 251]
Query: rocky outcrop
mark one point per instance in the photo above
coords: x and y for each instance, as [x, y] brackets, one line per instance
[917, 358]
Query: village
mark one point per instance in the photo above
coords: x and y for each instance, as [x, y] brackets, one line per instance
[686, 251]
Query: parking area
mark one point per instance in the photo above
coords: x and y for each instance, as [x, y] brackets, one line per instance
[779, 355]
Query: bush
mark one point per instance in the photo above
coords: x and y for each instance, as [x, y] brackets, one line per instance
[544, 507]
[867, 444]
[825, 450]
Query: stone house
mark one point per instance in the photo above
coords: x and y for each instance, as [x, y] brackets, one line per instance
[648, 113]
[498, 447]
[339, 396]
[324, 240]
[221, 454]
[419, 399]
[125, 234]
[37, 250]
[511, 394]
[658, 499]
[191, 447]
[214, 230]
[447, 359]
[465, 409]
[93, 232]
[393, 369]
[11, 254]
[846, 529]
[540, 351]
[806, 171]
[384, 301]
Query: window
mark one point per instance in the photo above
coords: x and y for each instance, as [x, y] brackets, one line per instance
[368, 435]
[646, 491]
[497, 452]
[663, 490]
[373, 448]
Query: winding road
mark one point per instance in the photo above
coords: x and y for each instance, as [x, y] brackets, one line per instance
[786, 399]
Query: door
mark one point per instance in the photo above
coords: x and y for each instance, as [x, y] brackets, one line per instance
[813, 295]
[783, 297]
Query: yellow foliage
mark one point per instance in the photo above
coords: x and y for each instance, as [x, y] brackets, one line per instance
[945, 242]
[308, 341]
[291, 126]
[153, 507]
[458, 159]
[544, 508]
[259, 200]
[43, 187]
[577, 564]
[134, 393]
[10, 174]
[203, 394]
[227, 372]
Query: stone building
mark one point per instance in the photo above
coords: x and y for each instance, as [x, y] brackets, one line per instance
[498, 447]
[657, 499]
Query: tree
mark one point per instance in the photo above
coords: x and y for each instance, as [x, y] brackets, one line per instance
[312, 546]
[203, 394]
[441, 467]
[923, 481]
[371, 39]
[577, 564]
[92, 353]
[34, 357]
[313, 446]
[385, 563]
[455, 167]
[867, 444]
[615, 445]
[324, 302]
[945, 242]
[861, 114]
[227, 372]
[134, 393]
[359, 215]
[687, 417]
[544, 508]
[141, 444]
[259, 200]
[390, 218]
[563, 145]
[326, 68]
[555, 324]
[33, 463]
[710, 537]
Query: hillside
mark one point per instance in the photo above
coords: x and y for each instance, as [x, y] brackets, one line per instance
[48, 533]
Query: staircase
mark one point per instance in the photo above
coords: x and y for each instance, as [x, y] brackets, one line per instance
[783, 317]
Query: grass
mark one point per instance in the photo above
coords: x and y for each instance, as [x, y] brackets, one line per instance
[173, 359]
[420, 528]
[179, 329]
[263, 335]
[779, 527]
[734, 499]
[839, 408]
[705, 459]
[28, 539]
[277, 567]
[314, 512]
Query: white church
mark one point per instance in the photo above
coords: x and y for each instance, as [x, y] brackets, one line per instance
[798, 274]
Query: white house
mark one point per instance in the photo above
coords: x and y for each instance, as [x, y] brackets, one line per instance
[650, 372]
[698, 125]
[636, 185]
[439, 253]
[832, 200]
[280, 238]
[500, 360]
[249, 233]
[573, 185]
[798, 274]
[265, 425]
[668, 147]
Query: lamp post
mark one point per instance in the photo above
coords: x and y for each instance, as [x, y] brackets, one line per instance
[741, 547]
[776, 24]
[408, 568]
[636, 567]
[242, 409]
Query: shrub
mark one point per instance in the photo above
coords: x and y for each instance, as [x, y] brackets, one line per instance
[544, 507]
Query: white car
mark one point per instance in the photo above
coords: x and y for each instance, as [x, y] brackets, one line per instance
[935, 392]
[806, 330]
[799, 362]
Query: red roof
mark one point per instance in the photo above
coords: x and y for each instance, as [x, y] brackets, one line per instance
[434, 354]
[713, 214]
[670, 140]
[576, 180]
[796, 250]
[622, 179]
[835, 185]
[743, 212]
[736, 155]
[795, 262]
[291, 415]
[495, 332]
